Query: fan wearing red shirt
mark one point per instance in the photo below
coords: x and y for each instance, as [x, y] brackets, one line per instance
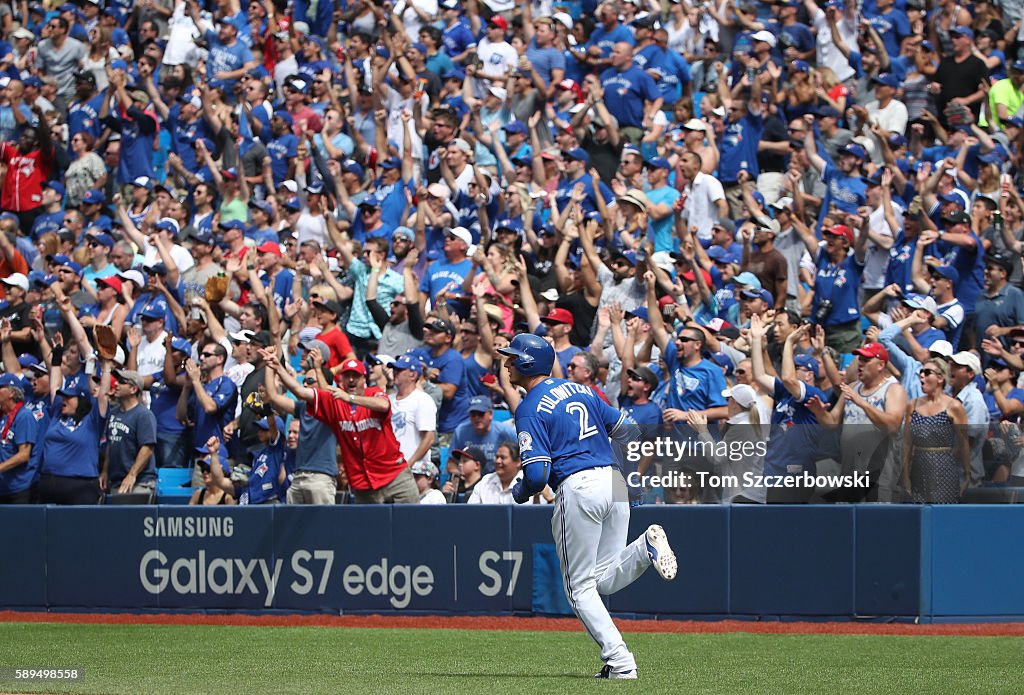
[29, 165]
[327, 313]
[360, 418]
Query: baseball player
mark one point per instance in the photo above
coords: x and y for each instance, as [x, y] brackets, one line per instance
[564, 431]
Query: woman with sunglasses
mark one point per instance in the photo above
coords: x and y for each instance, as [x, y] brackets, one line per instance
[936, 454]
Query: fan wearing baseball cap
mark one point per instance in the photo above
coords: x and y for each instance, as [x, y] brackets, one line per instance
[445, 368]
[844, 184]
[839, 259]
[360, 417]
[559, 324]
[871, 411]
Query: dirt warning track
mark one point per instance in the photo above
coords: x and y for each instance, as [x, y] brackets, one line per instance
[517, 623]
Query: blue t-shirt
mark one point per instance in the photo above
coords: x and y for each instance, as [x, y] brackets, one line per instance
[281, 151]
[163, 403]
[184, 136]
[567, 426]
[969, 263]
[452, 370]
[661, 230]
[793, 445]
[265, 475]
[224, 58]
[901, 263]
[606, 40]
[648, 413]
[71, 448]
[317, 450]
[84, 117]
[544, 60]
[225, 394]
[839, 284]
[738, 148]
[465, 435]
[625, 92]
[441, 273]
[282, 289]
[893, 26]
[693, 388]
[24, 430]
[457, 38]
[845, 192]
[589, 203]
[138, 132]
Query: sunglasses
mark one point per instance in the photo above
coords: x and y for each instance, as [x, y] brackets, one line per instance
[208, 354]
[740, 372]
[930, 372]
[685, 339]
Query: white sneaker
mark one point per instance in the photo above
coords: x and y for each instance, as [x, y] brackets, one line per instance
[660, 552]
[607, 672]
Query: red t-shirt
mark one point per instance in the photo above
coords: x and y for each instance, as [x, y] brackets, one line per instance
[369, 449]
[340, 346]
[26, 174]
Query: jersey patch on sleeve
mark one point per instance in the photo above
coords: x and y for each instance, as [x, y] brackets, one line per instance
[525, 442]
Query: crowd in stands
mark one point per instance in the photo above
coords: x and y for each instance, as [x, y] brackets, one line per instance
[280, 243]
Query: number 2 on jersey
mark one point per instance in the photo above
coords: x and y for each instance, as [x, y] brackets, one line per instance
[586, 429]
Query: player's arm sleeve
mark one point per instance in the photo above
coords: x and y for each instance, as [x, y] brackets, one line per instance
[621, 427]
[536, 457]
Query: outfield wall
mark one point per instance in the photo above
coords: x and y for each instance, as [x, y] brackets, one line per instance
[842, 562]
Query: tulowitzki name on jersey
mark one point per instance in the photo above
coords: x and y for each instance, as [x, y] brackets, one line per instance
[552, 398]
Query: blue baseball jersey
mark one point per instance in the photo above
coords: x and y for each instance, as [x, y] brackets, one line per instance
[23, 430]
[264, 479]
[793, 445]
[568, 426]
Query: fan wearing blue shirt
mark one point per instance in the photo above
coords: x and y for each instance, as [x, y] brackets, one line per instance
[448, 371]
[740, 137]
[19, 456]
[452, 271]
[208, 398]
[630, 94]
[844, 182]
[268, 472]
[609, 32]
[229, 58]
[283, 147]
[456, 37]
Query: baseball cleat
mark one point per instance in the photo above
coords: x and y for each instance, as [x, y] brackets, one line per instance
[607, 672]
[660, 552]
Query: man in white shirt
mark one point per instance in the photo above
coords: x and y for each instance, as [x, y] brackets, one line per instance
[889, 113]
[828, 54]
[497, 57]
[881, 234]
[413, 412]
[705, 198]
[149, 358]
[496, 487]
[167, 231]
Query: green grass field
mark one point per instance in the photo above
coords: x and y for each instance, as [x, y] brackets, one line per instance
[196, 659]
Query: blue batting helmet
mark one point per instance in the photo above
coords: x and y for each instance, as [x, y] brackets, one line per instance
[533, 355]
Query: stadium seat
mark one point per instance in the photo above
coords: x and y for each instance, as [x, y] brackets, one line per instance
[131, 498]
[173, 485]
[992, 495]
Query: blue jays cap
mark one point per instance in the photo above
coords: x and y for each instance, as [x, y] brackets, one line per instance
[26, 360]
[353, 167]
[807, 362]
[946, 271]
[509, 224]
[954, 198]
[391, 163]
[747, 279]
[456, 74]
[103, 238]
[578, 154]
[962, 31]
[480, 404]
[203, 236]
[181, 345]
[232, 224]
[640, 312]
[152, 311]
[827, 112]
[75, 390]
[315, 188]
[292, 203]
[10, 379]
[264, 423]
[718, 253]
[759, 294]
[285, 116]
[118, 64]
[657, 163]
[515, 127]
[407, 362]
[56, 186]
[856, 150]
[168, 225]
[628, 256]
[262, 206]
[1017, 65]
[370, 201]
[800, 66]
[887, 79]
[93, 197]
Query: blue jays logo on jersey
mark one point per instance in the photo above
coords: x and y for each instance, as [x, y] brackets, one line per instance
[397, 420]
[525, 442]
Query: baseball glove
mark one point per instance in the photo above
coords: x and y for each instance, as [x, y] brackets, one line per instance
[256, 404]
[216, 288]
[106, 341]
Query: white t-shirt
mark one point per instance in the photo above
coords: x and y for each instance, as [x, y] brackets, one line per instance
[410, 417]
[312, 228]
[877, 258]
[497, 58]
[828, 55]
[700, 208]
[182, 258]
[411, 20]
[433, 496]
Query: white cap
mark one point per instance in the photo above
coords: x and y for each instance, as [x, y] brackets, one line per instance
[439, 190]
[744, 395]
[576, 108]
[332, 264]
[291, 186]
[461, 233]
[926, 303]
[119, 356]
[564, 18]
[782, 203]
[196, 101]
[663, 260]
[942, 348]
[135, 276]
[550, 294]
[719, 111]
[766, 36]
[969, 360]
[499, 92]
[242, 336]
[696, 124]
[16, 280]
